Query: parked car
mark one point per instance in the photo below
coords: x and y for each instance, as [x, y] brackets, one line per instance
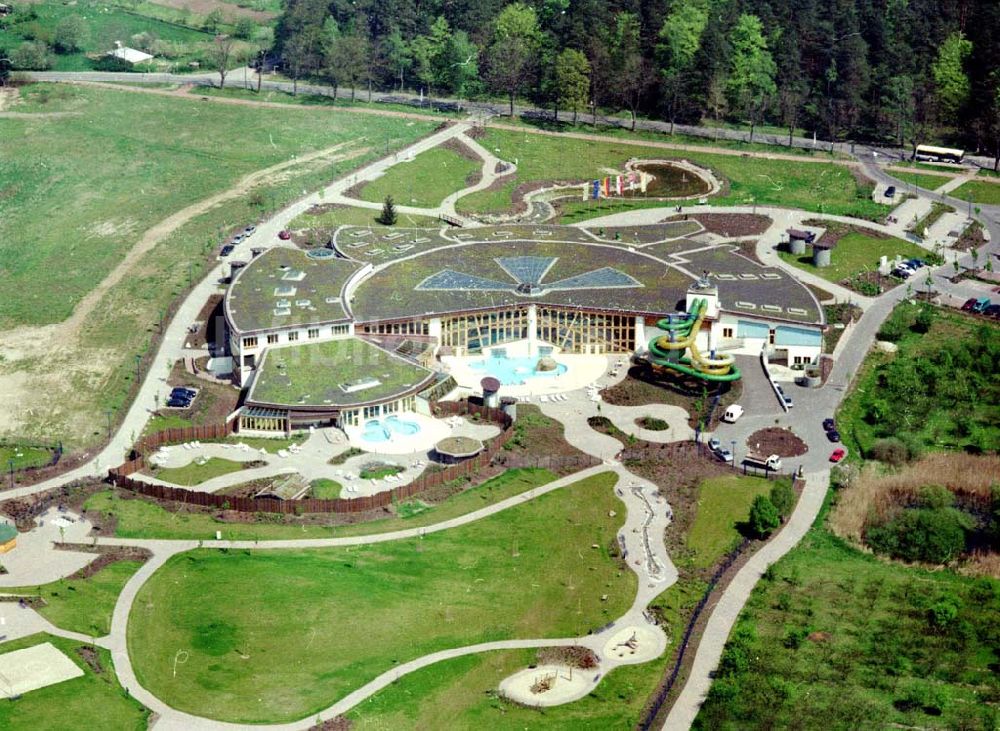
[714, 444]
[902, 272]
[969, 304]
[890, 192]
[981, 304]
[178, 403]
[784, 396]
[285, 235]
[238, 238]
[829, 425]
[837, 454]
[915, 263]
[227, 250]
[249, 230]
[992, 311]
[733, 413]
[833, 435]
[723, 455]
[183, 392]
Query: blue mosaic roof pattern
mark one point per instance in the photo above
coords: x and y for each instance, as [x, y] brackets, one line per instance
[529, 269]
[449, 280]
[603, 278]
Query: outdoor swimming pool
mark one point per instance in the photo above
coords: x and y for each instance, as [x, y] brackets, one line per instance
[513, 371]
[381, 430]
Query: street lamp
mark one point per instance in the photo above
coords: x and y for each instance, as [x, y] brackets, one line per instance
[138, 362]
[109, 413]
[10, 463]
[733, 442]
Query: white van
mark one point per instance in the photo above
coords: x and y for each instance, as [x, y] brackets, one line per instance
[733, 413]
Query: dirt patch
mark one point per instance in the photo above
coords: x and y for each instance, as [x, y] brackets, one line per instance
[89, 655]
[730, 225]
[971, 238]
[774, 440]
[819, 637]
[8, 95]
[24, 510]
[577, 656]
[748, 249]
[211, 324]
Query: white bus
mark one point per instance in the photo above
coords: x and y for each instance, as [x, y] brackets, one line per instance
[929, 153]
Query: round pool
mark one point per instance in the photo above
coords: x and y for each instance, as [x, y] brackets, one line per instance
[382, 430]
[321, 254]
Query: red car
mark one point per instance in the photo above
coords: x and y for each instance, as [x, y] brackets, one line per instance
[969, 303]
[285, 235]
[837, 455]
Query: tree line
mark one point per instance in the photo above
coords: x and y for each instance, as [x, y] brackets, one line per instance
[895, 71]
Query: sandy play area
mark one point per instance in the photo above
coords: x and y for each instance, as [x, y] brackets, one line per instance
[33, 668]
[549, 685]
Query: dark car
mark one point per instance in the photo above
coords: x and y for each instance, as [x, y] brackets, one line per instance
[285, 235]
[890, 192]
[227, 250]
[829, 425]
[992, 311]
[969, 304]
[249, 230]
[183, 393]
[178, 403]
[915, 263]
[833, 435]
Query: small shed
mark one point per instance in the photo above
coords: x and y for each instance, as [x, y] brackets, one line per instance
[491, 391]
[287, 487]
[8, 537]
[821, 253]
[131, 55]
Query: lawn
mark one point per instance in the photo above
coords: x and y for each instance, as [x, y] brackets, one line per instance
[142, 519]
[981, 191]
[82, 605]
[351, 216]
[939, 391]
[921, 180]
[91, 701]
[23, 457]
[195, 474]
[425, 181]
[60, 252]
[105, 25]
[302, 99]
[516, 574]
[723, 503]
[814, 186]
[834, 638]
[325, 489]
[855, 253]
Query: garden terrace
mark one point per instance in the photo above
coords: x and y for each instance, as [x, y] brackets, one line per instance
[333, 374]
[774, 293]
[470, 277]
[283, 280]
[644, 235]
[382, 245]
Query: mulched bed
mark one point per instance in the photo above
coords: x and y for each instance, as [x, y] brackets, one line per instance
[748, 249]
[89, 655]
[107, 555]
[971, 238]
[869, 283]
[334, 724]
[643, 387]
[24, 510]
[730, 225]
[210, 315]
[835, 230]
[774, 440]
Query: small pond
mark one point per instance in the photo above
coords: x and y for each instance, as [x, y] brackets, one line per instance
[670, 181]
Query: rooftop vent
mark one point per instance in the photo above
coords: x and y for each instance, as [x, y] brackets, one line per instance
[745, 305]
[285, 291]
[282, 311]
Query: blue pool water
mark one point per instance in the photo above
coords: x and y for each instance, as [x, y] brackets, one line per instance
[381, 430]
[513, 371]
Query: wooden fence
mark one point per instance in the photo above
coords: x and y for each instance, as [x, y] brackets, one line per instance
[120, 476]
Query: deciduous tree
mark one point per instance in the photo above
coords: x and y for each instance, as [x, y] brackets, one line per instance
[751, 76]
[513, 52]
[572, 78]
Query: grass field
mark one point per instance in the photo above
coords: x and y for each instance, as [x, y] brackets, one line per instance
[723, 503]
[195, 474]
[18, 457]
[855, 253]
[938, 391]
[921, 180]
[510, 575]
[813, 186]
[981, 191]
[834, 638]
[82, 605]
[92, 701]
[141, 519]
[425, 181]
[188, 150]
[105, 24]
[312, 100]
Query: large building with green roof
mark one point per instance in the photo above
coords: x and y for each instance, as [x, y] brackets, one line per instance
[384, 298]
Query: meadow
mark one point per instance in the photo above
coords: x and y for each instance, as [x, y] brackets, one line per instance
[370, 607]
[854, 253]
[980, 191]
